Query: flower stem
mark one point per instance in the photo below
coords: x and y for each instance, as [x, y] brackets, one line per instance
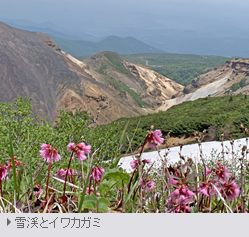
[49, 167]
[65, 184]
[1, 188]
[143, 146]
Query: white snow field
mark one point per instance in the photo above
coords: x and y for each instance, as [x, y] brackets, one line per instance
[191, 151]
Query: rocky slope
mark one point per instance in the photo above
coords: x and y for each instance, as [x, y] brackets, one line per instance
[229, 79]
[32, 65]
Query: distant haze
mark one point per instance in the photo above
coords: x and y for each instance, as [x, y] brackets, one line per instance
[111, 14]
[149, 21]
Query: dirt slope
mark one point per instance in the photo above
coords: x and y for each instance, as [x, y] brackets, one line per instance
[32, 65]
[229, 79]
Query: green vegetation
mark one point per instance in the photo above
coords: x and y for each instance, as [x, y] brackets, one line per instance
[122, 88]
[73, 166]
[238, 85]
[28, 132]
[182, 68]
[191, 116]
[115, 62]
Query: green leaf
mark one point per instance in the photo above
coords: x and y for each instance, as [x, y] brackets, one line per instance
[102, 207]
[106, 185]
[89, 204]
[104, 201]
[91, 197]
[116, 174]
[194, 210]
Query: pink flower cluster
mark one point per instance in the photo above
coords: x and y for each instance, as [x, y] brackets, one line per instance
[49, 153]
[229, 190]
[37, 189]
[222, 180]
[179, 201]
[79, 150]
[97, 172]
[221, 172]
[91, 191]
[3, 172]
[17, 163]
[96, 175]
[154, 138]
[206, 188]
[147, 185]
[134, 163]
[61, 174]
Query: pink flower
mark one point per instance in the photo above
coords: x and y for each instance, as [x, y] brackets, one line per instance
[176, 192]
[169, 201]
[222, 172]
[207, 189]
[17, 163]
[61, 174]
[187, 208]
[155, 139]
[97, 173]
[48, 153]
[80, 150]
[91, 190]
[178, 205]
[133, 164]
[229, 190]
[184, 191]
[172, 181]
[83, 147]
[239, 209]
[208, 171]
[148, 185]
[185, 200]
[37, 189]
[190, 193]
[3, 172]
[146, 161]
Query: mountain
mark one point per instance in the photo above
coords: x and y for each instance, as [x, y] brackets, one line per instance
[127, 45]
[32, 65]
[50, 29]
[230, 78]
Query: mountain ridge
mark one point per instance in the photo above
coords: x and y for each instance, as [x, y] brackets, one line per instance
[32, 65]
[231, 78]
[126, 45]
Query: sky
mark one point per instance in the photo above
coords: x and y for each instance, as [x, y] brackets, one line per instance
[97, 14]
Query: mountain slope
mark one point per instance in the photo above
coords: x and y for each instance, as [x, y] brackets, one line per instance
[32, 65]
[128, 45]
[231, 78]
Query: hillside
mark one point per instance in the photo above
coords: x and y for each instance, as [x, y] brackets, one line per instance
[128, 45]
[231, 77]
[32, 65]
[217, 115]
[145, 86]
[182, 68]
